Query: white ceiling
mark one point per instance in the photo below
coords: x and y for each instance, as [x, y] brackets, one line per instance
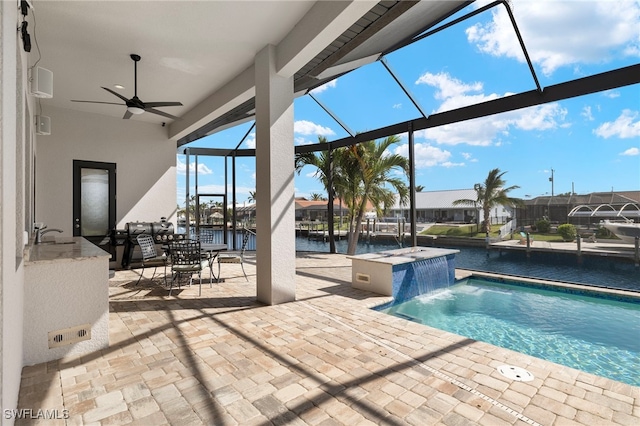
[188, 49]
[201, 53]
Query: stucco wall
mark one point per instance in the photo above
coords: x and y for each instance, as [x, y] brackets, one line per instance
[145, 163]
[15, 129]
[62, 294]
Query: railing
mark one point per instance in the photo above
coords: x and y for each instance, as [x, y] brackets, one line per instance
[216, 236]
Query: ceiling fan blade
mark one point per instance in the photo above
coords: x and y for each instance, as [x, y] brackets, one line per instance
[161, 104]
[116, 93]
[127, 115]
[97, 102]
[164, 114]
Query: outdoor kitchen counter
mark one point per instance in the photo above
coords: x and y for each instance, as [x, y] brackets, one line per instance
[66, 299]
[55, 249]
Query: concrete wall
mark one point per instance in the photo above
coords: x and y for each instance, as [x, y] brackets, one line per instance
[145, 163]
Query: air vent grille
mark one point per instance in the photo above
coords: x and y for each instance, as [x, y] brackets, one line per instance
[363, 278]
[69, 335]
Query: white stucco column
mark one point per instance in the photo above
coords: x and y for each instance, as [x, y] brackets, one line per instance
[275, 211]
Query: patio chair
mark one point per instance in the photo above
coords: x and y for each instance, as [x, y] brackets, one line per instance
[206, 237]
[523, 238]
[236, 257]
[150, 257]
[186, 259]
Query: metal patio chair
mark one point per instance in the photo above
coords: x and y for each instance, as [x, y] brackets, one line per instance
[236, 257]
[150, 256]
[186, 259]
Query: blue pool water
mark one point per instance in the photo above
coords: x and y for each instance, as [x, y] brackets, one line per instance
[592, 334]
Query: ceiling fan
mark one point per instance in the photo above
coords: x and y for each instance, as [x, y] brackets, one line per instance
[135, 105]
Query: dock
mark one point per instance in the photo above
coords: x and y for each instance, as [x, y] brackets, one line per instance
[609, 249]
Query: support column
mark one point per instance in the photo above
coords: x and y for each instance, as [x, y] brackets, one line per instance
[275, 210]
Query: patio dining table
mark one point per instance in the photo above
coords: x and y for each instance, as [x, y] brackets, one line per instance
[210, 250]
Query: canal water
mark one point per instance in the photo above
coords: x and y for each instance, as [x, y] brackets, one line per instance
[596, 271]
[600, 272]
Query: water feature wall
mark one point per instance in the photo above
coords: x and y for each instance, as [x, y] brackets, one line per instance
[422, 277]
[404, 273]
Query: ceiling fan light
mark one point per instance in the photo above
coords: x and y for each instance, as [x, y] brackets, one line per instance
[135, 110]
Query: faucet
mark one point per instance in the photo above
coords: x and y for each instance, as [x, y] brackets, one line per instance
[41, 231]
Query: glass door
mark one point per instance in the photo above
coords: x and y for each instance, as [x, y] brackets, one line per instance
[94, 202]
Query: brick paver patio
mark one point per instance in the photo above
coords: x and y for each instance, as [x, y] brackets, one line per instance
[326, 359]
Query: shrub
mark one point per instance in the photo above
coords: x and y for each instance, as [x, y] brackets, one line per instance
[543, 226]
[567, 231]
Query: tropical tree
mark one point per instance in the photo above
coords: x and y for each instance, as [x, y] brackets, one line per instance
[314, 196]
[490, 194]
[360, 176]
[419, 188]
[365, 171]
[252, 196]
[322, 162]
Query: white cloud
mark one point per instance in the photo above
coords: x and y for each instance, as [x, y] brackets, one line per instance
[302, 141]
[447, 86]
[483, 131]
[397, 106]
[325, 86]
[586, 113]
[425, 155]
[611, 94]
[305, 127]
[469, 157]
[449, 164]
[631, 152]
[181, 168]
[562, 33]
[250, 142]
[623, 127]
[541, 117]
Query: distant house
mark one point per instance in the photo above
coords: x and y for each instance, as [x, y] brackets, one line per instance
[308, 210]
[437, 206]
[557, 208]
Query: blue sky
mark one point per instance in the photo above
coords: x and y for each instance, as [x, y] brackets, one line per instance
[592, 142]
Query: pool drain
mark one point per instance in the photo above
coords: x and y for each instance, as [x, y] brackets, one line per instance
[515, 373]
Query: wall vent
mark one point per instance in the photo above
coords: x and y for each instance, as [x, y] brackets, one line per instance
[363, 278]
[68, 336]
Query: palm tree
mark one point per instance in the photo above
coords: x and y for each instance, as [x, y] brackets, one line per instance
[314, 196]
[360, 175]
[490, 194]
[365, 171]
[419, 188]
[252, 196]
[321, 161]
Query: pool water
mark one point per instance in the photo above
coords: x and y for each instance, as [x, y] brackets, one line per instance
[591, 334]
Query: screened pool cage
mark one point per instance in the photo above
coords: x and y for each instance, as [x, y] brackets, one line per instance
[616, 78]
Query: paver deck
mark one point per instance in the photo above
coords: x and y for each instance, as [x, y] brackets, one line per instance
[325, 359]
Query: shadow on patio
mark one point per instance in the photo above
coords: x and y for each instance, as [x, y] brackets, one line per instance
[225, 359]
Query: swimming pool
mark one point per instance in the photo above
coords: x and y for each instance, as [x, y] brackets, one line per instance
[592, 334]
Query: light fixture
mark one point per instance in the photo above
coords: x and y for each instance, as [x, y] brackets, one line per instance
[135, 110]
[118, 86]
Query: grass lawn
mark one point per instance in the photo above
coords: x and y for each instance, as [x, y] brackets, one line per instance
[469, 231]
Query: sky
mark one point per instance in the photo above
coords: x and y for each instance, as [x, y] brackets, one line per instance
[589, 143]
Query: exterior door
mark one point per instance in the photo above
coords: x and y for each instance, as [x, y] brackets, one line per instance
[94, 202]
